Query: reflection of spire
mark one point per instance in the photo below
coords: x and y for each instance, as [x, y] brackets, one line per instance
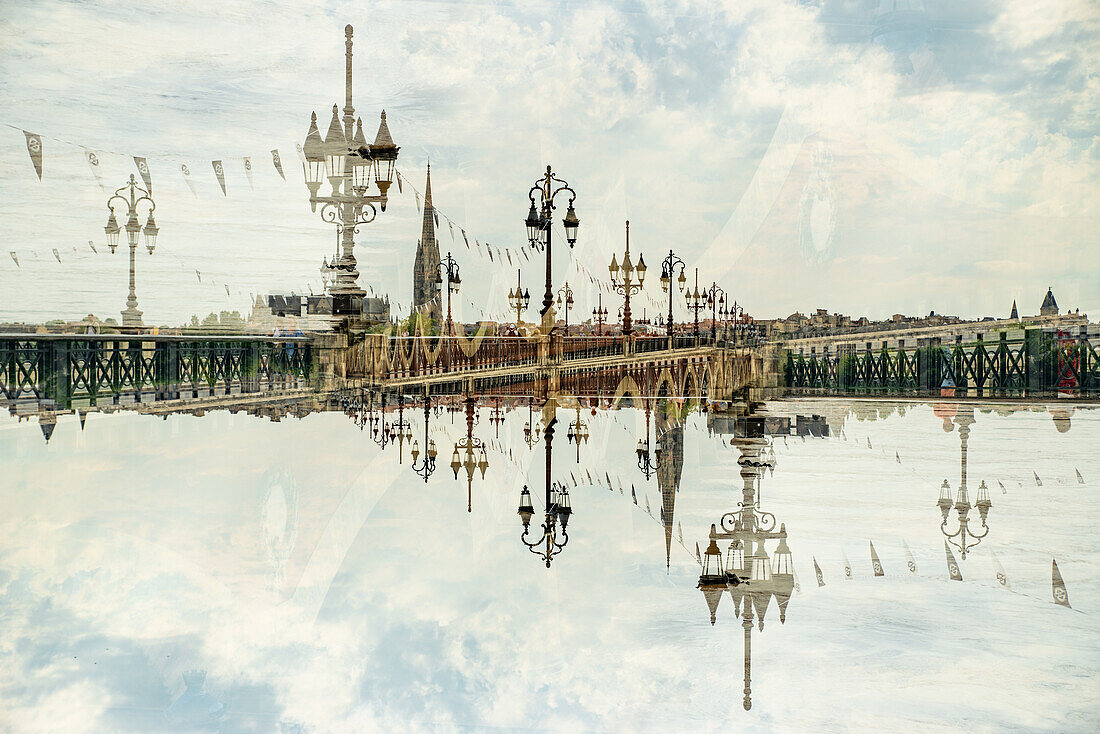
[668, 480]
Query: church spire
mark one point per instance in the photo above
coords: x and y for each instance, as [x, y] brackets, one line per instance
[1015, 316]
[426, 268]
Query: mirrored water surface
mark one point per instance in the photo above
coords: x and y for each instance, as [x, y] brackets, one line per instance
[364, 567]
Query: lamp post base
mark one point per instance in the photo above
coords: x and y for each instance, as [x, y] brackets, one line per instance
[549, 320]
[132, 317]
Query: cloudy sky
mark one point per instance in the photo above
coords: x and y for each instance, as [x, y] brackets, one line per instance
[804, 154]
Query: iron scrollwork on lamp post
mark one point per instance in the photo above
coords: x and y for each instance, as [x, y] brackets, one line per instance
[556, 517]
[519, 298]
[565, 299]
[539, 223]
[352, 166]
[696, 302]
[137, 196]
[469, 454]
[627, 279]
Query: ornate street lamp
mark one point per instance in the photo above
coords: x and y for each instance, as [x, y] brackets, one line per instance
[668, 274]
[558, 510]
[518, 299]
[696, 302]
[716, 300]
[565, 298]
[539, 223]
[496, 416]
[530, 435]
[351, 166]
[627, 279]
[426, 467]
[137, 196]
[449, 268]
[599, 313]
[469, 454]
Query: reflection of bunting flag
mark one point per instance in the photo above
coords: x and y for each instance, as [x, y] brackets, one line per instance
[435, 215]
[301, 153]
[227, 290]
[186, 171]
[1057, 585]
[15, 259]
[418, 202]
[220, 173]
[633, 495]
[490, 253]
[797, 586]
[1080, 479]
[451, 226]
[952, 564]
[275, 159]
[680, 532]
[1002, 577]
[198, 275]
[464, 239]
[847, 566]
[56, 254]
[509, 254]
[909, 561]
[817, 572]
[248, 171]
[146, 175]
[876, 564]
[399, 184]
[93, 162]
[698, 555]
[92, 245]
[647, 505]
[34, 148]
[1038, 481]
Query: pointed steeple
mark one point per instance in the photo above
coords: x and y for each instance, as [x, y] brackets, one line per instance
[426, 268]
[668, 480]
[1015, 316]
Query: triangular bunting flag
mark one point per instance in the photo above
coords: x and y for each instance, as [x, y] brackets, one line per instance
[876, 564]
[93, 162]
[143, 169]
[248, 171]
[187, 177]
[952, 564]
[34, 149]
[1057, 585]
[1002, 577]
[278, 163]
[817, 572]
[847, 566]
[909, 560]
[220, 173]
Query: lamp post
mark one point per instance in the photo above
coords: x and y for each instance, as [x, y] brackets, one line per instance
[556, 517]
[519, 298]
[599, 313]
[962, 506]
[349, 163]
[565, 298]
[696, 301]
[716, 300]
[578, 431]
[539, 223]
[496, 416]
[668, 273]
[748, 573]
[627, 279]
[137, 196]
[425, 468]
[449, 267]
[530, 435]
[466, 454]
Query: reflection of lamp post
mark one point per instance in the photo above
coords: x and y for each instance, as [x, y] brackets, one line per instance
[565, 298]
[540, 221]
[425, 470]
[554, 536]
[530, 435]
[578, 431]
[131, 316]
[599, 313]
[748, 573]
[962, 502]
[627, 279]
[348, 161]
[469, 459]
[648, 466]
[518, 299]
[668, 273]
[496, 416]
[696, 302]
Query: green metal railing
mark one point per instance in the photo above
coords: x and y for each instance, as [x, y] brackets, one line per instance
[65, 367]
[1040, 363]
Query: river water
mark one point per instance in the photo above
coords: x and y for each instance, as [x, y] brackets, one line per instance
[230, 573]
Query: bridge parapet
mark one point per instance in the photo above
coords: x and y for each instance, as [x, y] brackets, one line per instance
[63, 368]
